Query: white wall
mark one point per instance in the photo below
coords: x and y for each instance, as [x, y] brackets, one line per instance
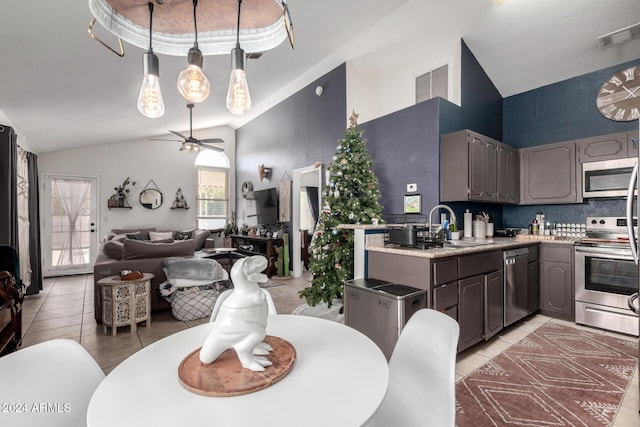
[374, 95]
[140, 160]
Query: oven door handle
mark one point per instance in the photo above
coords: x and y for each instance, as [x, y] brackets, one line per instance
[630, 191]
[631, 300]
[603, 252]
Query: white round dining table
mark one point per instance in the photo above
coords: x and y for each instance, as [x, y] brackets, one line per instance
[339, 378]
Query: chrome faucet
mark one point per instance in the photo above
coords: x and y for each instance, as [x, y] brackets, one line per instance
[453, 218]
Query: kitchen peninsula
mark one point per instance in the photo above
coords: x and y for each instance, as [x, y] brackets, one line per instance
[472, 283]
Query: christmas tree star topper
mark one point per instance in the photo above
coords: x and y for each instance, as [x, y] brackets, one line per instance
[353, 119]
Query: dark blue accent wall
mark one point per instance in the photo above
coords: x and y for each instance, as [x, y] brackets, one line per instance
[299, 131]
[404, 150]
[561, 112]
[404, 145]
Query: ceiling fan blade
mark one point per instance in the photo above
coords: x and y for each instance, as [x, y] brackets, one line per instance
[210, 147]
[212, 141]
[178, 133]
[158, 139]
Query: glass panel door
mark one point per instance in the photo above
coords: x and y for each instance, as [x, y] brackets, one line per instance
[70, 238]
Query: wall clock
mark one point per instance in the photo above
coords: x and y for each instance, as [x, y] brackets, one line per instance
[619, 97]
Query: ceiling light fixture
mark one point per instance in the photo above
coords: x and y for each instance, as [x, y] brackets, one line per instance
[193, 85]
[150, 103]
[238, 97]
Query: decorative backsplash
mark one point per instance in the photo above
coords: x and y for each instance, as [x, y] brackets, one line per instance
[521, 216]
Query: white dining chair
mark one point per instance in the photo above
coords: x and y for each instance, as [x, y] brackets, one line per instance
[224, 295]
[48, 384]
[421, 374]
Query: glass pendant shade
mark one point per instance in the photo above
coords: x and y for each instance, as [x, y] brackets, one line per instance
[193, 85]
[190, 147]
[150, 103]
[238, 97]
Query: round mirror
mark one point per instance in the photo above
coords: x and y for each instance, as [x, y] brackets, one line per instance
[151, 198]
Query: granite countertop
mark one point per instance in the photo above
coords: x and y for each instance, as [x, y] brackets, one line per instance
[376, 244]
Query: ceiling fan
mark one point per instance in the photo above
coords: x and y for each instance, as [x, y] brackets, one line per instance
[190, 143]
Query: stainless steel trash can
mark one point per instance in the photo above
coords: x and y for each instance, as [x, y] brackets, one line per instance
[380, 309]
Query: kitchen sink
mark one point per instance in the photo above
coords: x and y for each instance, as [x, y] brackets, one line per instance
[466, 243]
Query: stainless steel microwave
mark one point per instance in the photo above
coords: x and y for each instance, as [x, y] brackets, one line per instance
[608, 178]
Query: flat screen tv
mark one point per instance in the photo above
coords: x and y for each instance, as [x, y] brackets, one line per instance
[265, 206]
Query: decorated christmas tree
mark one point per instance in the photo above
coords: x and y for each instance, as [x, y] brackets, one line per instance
[351, 197]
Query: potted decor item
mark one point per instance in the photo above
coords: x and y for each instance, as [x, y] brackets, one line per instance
[453, 231]
[122, 193]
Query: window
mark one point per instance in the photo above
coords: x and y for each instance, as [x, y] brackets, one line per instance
[212, 197]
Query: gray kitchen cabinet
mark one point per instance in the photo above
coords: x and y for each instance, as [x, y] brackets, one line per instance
[493, 303]
[508, 174]
[549, 174]
[480, 308]
[470, 311]
[469, 167]
[557, 295]
[480, 297]
[605, 147]
[533, 280]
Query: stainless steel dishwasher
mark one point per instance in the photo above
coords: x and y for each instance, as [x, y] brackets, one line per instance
[515, 285]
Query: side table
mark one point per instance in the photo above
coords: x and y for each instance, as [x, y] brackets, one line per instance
[125, 302]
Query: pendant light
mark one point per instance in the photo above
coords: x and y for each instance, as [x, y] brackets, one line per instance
[150, 103]
[238, 98]
[192, 83]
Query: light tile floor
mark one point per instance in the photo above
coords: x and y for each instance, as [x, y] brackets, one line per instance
[64, 309]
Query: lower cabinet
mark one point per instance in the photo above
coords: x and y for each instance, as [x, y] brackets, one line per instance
[533, 279]
[493, 303]
[470, 311]
[557, 297]
[480, 308]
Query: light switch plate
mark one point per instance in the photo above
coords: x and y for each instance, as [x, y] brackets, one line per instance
[412, 187]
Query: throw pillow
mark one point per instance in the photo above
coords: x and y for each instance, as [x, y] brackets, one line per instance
[160, 235]
[183, 235]
[113, 249]
[135, 236]
[171, 240]
[141, 230]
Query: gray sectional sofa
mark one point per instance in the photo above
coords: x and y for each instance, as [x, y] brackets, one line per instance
[121, 250]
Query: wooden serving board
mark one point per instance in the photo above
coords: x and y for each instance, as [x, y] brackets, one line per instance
[226, 376]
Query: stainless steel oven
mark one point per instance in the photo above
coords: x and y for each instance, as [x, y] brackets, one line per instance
[605, 276]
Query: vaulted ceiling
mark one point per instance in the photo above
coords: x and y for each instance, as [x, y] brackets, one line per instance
[60, 89]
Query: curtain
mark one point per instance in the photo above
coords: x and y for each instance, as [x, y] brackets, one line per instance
[22, 175]
[71, 195]
[8, 186]
[35, 251]
[312, 197]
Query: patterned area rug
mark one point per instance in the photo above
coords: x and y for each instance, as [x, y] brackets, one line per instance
[555, 376]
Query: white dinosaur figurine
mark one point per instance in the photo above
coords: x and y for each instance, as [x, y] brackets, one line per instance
[242, 319]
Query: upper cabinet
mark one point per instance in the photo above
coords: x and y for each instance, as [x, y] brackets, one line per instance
[549, 174]
[606, 147]
[471, 168]
[508, 174]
